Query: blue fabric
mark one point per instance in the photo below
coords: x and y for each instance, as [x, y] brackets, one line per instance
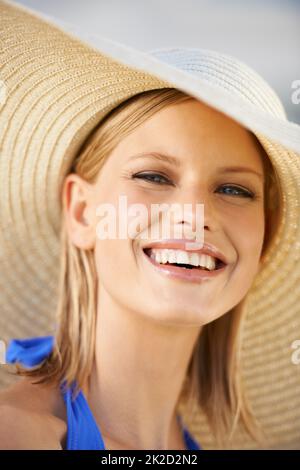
[83, 432]
[29, 352]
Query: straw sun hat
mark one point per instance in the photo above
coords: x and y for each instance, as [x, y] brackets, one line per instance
[57, 84]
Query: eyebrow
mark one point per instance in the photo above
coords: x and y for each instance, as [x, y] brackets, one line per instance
[175, 161]
[159, 156]
[240, 169]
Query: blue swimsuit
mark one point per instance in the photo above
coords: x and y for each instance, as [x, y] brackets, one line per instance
[83, 432]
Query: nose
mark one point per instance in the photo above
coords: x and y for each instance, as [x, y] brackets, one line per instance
[196, 212]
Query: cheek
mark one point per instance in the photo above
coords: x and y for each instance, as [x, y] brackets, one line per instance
[116, 256]
[247, 236]
[130, 211]
[250, 233]
[115, 269]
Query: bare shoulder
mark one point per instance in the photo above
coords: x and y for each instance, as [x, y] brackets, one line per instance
[32, 416]
[20, 429]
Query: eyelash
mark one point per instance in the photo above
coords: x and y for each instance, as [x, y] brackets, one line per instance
[147, 175]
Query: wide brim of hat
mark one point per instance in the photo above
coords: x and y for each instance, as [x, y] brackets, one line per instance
[163, 63]
[60, 82]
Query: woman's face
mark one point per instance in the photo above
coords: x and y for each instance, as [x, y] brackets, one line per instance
[204, 143]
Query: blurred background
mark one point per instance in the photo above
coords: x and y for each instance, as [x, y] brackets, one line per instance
[263, 33]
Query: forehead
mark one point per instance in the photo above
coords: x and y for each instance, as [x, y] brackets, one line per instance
[192, 132]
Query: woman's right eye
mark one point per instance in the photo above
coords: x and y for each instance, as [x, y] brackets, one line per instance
[152, 178]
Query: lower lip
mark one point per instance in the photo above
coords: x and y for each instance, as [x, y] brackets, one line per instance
[192, 275]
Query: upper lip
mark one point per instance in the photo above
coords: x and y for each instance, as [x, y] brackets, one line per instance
[207, 248]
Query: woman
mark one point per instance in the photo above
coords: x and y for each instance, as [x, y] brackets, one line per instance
[131, 343]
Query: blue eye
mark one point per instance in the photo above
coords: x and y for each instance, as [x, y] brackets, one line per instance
[240, 191]
[156, 178]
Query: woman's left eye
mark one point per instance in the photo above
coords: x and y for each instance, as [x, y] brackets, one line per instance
[238, 191]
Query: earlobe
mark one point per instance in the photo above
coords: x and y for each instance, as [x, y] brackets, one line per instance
[82, 228]
[79, 223]
[81, 231]
[84, 220]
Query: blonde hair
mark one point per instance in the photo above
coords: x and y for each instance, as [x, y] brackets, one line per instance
[214, 372]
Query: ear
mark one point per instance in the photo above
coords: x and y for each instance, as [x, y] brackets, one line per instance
[78, 213]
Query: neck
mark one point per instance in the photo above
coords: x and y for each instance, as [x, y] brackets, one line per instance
[139, 369]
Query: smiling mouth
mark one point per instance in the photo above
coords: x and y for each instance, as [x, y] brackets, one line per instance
[219, 264]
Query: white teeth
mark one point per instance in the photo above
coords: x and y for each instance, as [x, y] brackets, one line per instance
[164, 256]
[172, 256]
[182, 257]
[157, 257]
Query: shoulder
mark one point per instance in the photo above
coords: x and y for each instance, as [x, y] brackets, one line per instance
[20, 429]
[31, 417]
